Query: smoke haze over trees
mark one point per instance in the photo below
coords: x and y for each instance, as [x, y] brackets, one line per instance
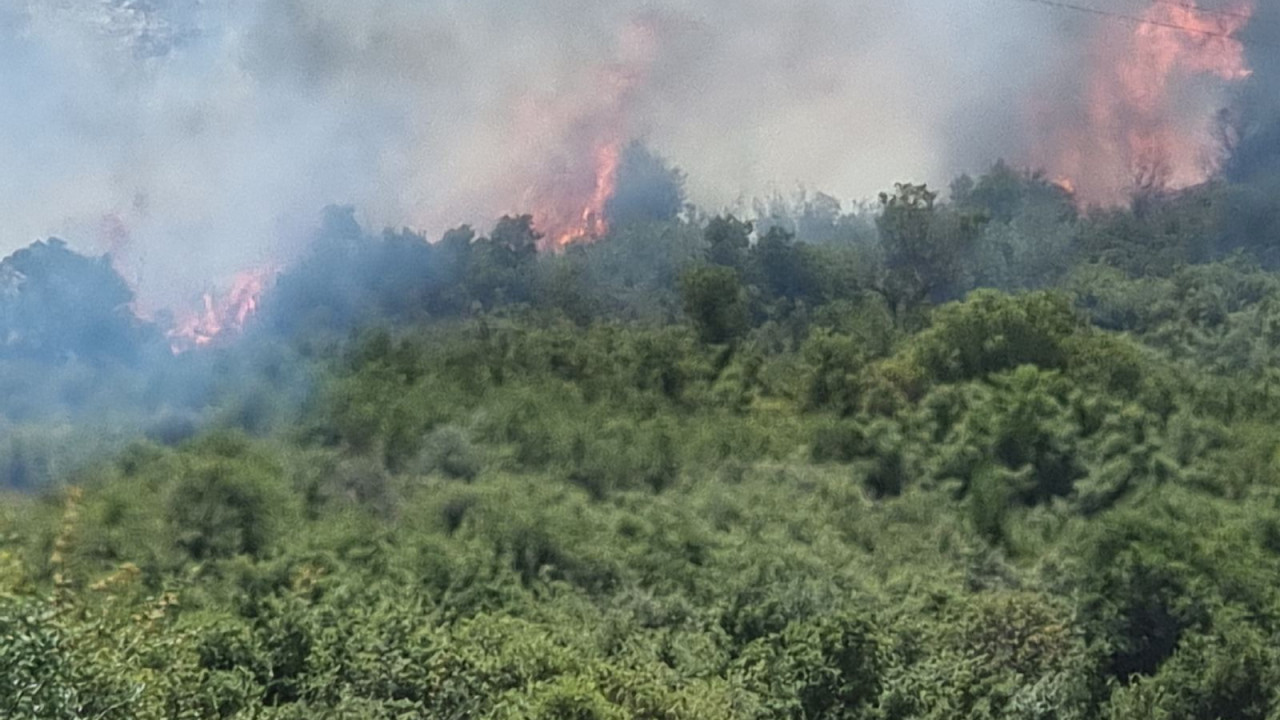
[533, 384]
[195, 140]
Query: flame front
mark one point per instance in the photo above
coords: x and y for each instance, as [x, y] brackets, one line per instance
[222, 314]
[568, 218]
[583, 139]
[1152, 97]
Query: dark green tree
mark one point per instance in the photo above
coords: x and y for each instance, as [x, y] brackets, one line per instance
[924, 246]
[56, 305]
[785, 267]
[715, 302]
[728, 240]
[501, 266]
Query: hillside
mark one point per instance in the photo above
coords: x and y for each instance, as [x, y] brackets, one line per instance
[987, 458]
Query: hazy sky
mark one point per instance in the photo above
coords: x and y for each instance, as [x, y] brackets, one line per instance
[194, 137]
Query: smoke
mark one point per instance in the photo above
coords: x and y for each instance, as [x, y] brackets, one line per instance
[1137, 95]
[195, 138]
[1257, 118]
[647, 190]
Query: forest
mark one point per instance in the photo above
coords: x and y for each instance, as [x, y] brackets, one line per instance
[980, 453]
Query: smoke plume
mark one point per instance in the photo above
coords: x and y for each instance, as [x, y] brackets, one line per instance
[194, 139]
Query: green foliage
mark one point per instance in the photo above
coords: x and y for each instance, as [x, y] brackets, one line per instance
[727, 240]
[834, 363]
[924, 245]
[448, 450]
[1157, 235]
[991, 494]
[38, 679]
[226, 502]
[702, 468]
[990, 333]
[1004, 194]
[715, 302]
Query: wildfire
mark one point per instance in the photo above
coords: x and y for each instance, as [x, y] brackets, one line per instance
[587, 135]
[1151, 99]
[221, 314]
[566, 218]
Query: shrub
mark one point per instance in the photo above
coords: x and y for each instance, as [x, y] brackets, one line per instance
[224, 506]
[990, 332]
[448, 450]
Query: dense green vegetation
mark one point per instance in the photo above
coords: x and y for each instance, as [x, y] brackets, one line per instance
[985, 458]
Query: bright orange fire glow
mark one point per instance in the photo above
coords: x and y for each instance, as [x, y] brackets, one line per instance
[585, 135]
[220, 315]
[568, 219]
[1151, 99]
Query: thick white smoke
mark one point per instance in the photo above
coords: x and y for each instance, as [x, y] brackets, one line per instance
[194, 138]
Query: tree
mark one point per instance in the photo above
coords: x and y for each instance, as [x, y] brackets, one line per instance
[501, 266]
[450, 262]
[716, 303]
[728, 239]
[784, 266]
[1003, 193]
[328, 287]
[834, 363]
[56, 304]
[924, 246]
[648, 189]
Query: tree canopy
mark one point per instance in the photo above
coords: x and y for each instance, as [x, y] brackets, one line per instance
[977, 456]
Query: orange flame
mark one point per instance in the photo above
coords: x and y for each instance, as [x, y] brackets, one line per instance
[1150, 96]
[222, 314]
[563, 222]
[588, 134]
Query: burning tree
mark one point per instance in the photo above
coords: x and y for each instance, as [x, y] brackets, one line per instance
[1151, 97]
[221, 313]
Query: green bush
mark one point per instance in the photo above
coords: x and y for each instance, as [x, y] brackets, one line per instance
[227, 502]
[449, 451]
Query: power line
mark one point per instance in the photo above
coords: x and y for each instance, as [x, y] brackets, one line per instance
[1202, 10]
[1061, 5]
